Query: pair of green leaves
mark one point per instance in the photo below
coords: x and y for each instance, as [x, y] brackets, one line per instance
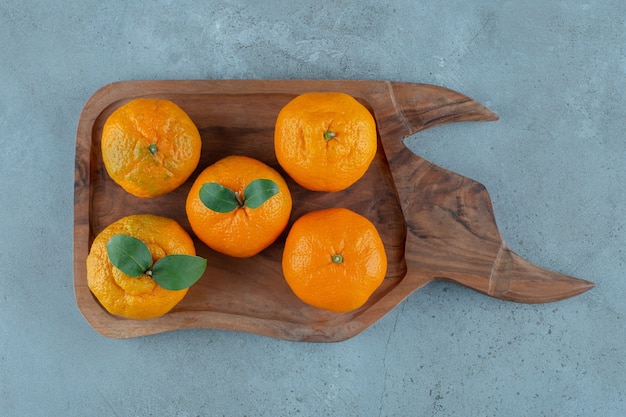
[224, 200]
[173, 272]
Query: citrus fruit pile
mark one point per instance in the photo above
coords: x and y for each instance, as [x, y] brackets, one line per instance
[141, 266]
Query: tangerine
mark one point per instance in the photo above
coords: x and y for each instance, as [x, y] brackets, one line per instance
[238, 206]
[140, 297]
[334, 259]
[150, 146]
[325, 140]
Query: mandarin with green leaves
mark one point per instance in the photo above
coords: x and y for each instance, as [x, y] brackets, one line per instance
[238, 206]
[141, 266]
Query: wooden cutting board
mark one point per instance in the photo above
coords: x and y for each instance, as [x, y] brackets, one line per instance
[435, 224]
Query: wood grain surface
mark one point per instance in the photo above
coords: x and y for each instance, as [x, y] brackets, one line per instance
[435, 224]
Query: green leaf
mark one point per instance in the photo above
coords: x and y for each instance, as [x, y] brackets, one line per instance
[218, 198]
[258, 192]
[128, 254]
[177, 272]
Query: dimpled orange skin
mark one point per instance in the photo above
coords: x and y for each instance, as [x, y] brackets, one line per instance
[308, 267]
[245, 231]
[137, 298]
[127, 136]
[318, 164]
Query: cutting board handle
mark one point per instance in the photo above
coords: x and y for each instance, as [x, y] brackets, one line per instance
[451, 228]
[422, 106]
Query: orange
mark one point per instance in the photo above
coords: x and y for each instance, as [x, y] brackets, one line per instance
[325, 141]
[150, 146]
[141, 297]
[334, 259]
[241, 231]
